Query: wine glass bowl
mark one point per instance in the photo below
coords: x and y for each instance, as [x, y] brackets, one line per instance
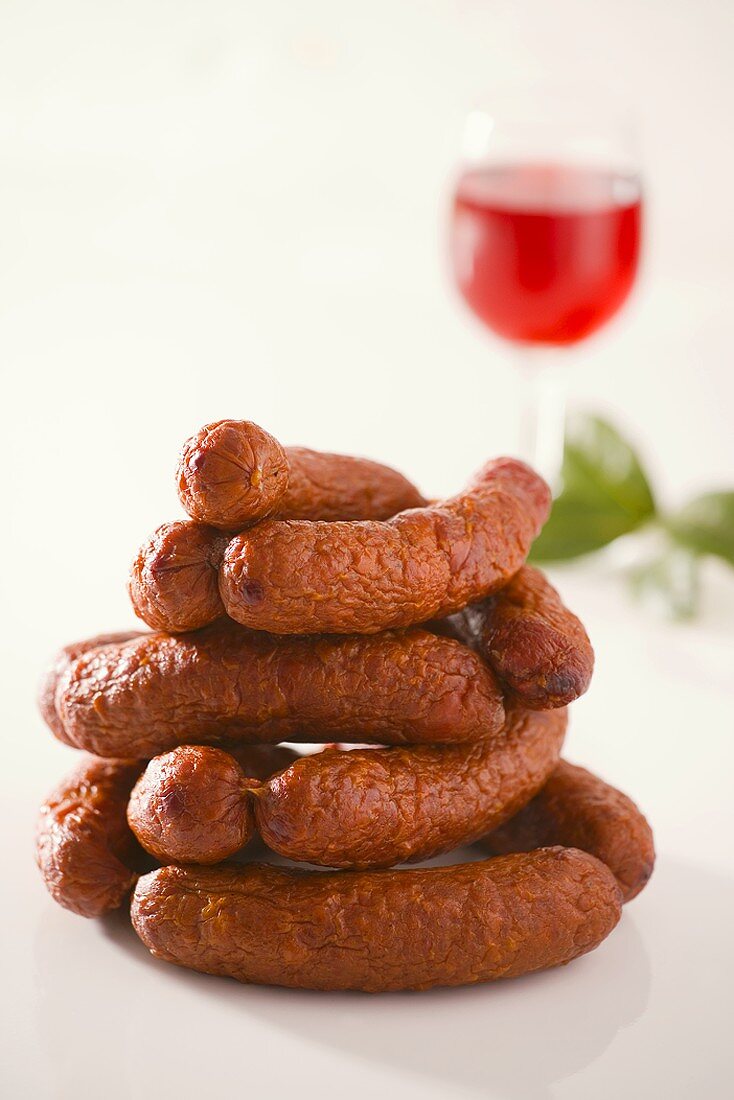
[545, 253]
[546, 226]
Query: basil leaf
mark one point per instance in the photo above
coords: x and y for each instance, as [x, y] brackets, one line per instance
[605, 493]
[706, 525]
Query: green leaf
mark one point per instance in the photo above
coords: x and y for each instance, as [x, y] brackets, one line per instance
[706, 525]
[605, 493]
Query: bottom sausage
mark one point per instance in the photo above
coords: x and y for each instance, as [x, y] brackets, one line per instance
[577, 809]
[85, 849]
[379, 930]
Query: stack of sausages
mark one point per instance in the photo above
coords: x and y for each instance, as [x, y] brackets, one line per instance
[317, 598]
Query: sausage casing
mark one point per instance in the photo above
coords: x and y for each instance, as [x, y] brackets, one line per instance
[146, 696]
[579, 810]
[191, 806]
[293, 577]
[232, 473]
[379, 930]
[174, 579]
[379, 807]
[85, 849]
[57, 669]
[538, 648]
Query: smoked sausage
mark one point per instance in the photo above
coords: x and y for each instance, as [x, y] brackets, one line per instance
[174, 579]
[57, 668]
[232, 473]
[379, 930]
[354, 809]
[300, 577]
[85, 849]
[146, 696]
[537, 647]
[181, 815]
[579, 810]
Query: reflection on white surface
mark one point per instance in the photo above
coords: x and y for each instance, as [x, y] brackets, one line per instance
[647, 1009]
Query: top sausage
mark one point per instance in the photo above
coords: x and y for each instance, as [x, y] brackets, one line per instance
[362, 577]
[232, 473]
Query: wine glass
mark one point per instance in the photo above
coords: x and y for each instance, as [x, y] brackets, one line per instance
[545, 237]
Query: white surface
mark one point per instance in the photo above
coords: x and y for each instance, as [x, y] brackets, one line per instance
[235, 209]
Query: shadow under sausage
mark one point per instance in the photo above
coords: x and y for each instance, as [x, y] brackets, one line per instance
[515, 1037]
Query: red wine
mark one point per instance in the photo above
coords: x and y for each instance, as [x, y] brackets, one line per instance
[543, 253]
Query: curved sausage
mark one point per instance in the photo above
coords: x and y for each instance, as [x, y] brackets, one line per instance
[358, 809]
[379, 807]
[190, 805]
[146, 696]
[537, 647]
[232, 473]
[294, 577]
[579, 810]
[85, 849]
[323, 486]
[59, 665]
[379, 930]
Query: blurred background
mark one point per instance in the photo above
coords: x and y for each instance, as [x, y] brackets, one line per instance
[230, 209]
[239, 209]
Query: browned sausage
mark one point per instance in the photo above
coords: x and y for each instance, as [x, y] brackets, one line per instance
[84, 847]
[230, 474]
[149, 695]
[179, 815]
[57, 668]
[233, 473]
[579, 810]
[300, 577]
[379, 807]
[359, 809]
[379, 930]
[537, 647]
[174, 579]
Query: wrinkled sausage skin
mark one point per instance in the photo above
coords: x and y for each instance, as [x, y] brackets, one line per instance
[191, 805]
[379, 930]
[538, 648]
[292, 577]
[149, 695]
[326, 486]
[358, 809]
[379, 807]
[233, 473]
[174, 579]
[84, 847]
[59, 665]
[579, 810]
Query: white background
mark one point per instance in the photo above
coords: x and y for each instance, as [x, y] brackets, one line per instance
[237, 209]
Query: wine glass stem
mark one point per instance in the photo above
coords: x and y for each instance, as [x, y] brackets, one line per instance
[543, 411]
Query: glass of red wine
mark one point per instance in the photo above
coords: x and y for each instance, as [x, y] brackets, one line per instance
[545, 238]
